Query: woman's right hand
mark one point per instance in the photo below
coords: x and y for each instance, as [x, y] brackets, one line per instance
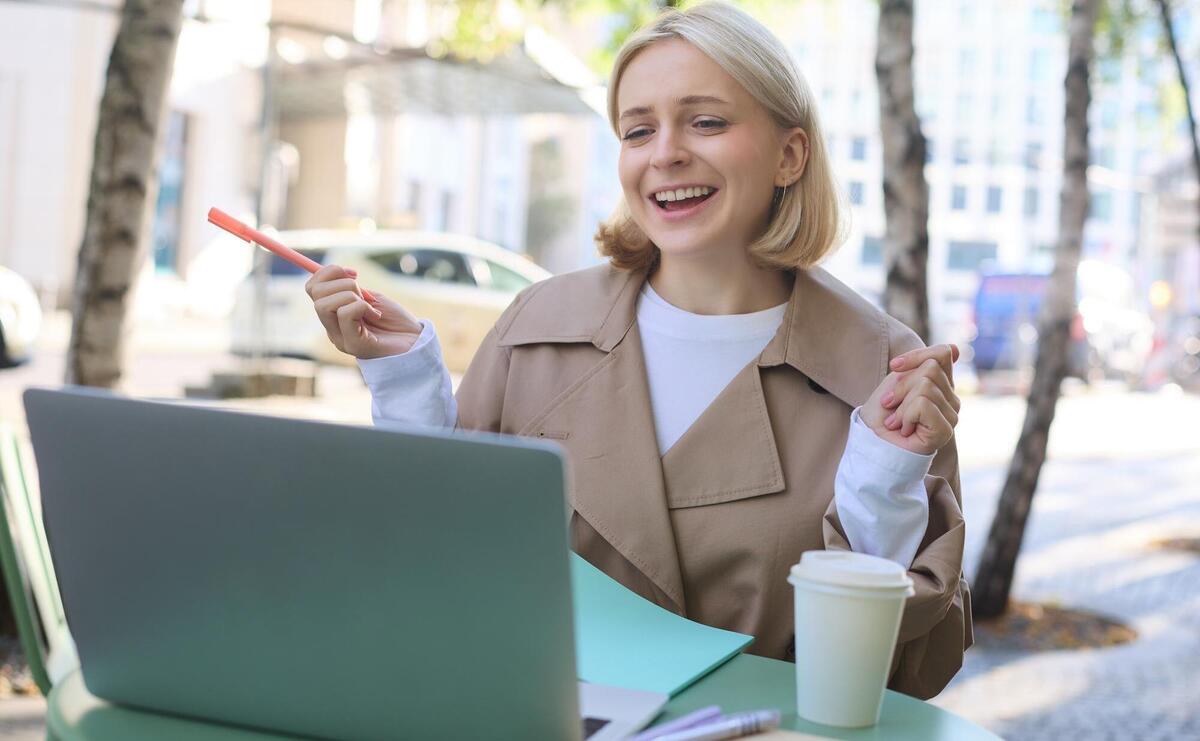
[355, 326]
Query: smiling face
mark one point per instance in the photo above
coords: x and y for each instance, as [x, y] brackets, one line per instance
[700, 158]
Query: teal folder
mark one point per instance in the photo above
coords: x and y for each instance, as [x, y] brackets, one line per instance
[623, 640]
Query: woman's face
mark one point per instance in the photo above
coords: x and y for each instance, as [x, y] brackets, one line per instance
[685, 123]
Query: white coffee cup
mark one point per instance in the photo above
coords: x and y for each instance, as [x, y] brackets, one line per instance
[848, 608]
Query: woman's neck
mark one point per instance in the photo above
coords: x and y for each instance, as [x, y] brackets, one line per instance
[730, 286]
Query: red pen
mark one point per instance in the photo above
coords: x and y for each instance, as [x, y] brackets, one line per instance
[250, 234]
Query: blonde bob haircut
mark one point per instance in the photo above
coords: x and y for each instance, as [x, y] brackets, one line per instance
[805, 223]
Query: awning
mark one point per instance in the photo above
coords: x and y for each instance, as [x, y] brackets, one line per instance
[513, 84]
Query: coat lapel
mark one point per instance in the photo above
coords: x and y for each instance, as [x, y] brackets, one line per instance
[605, 421]
[729, 451]
[832, 336]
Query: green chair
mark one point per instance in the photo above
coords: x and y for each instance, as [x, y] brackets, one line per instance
[28, 572]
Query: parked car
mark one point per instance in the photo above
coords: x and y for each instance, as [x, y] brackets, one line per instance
[20, 318]
[460, 283]
[1110, 335]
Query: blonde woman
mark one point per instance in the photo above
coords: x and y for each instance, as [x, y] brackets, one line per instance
[724, 403]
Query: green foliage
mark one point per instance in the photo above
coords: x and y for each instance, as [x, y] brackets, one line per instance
[479, 31]
[1118, 20]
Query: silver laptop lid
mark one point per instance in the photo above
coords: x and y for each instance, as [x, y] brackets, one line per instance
[322, 579]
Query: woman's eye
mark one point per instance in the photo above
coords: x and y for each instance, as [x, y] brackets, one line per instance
[635, 134]
[714, 123]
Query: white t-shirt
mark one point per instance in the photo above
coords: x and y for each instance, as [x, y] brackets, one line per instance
[879, 489]
[691, 358]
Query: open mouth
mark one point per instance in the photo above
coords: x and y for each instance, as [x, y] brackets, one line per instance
[683, 204]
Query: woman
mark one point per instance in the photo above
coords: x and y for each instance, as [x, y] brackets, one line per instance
[724, 404]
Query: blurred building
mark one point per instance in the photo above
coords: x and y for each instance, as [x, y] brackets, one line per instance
[507, 150]
[364, 127]
[52, 67]
[989, 87]
[1171, 245]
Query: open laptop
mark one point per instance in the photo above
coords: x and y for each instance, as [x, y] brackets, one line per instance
[313, 578]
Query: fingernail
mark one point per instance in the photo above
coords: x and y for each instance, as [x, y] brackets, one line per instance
[352, 273]
[896, 363]
[888, 422]
[887, 399]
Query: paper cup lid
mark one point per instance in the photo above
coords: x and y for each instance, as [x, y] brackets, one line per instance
[849, 569]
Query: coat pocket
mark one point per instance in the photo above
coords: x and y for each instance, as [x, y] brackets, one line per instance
[679, 498]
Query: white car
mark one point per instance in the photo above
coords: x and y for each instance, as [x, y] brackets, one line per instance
[459, 283]
[20, 318]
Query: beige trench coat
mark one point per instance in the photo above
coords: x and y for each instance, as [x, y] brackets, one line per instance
[710, 529]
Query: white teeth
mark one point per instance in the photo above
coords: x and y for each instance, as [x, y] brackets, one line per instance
[681, 193]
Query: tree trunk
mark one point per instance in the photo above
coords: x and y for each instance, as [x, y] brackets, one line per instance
[905, 191]
[993, 581]
[131, 109]
[1168, 31]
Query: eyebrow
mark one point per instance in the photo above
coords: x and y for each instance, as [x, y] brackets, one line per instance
[684, 101]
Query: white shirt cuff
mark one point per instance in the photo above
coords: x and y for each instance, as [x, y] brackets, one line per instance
[880, 495]
[413, 387]
[905, 464]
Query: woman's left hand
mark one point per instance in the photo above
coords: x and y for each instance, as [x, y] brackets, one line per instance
[915, 407]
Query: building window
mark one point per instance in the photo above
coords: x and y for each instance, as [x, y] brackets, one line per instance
[964, 107]
[1109, 114]
[1103, 156]
[968, 60]
[1000, 64]
[970, 255]
[958, 198]
[1031, 202]
[858, 148]
[1100, 207]
[447, 210]
[414, 196]
[1033, 155]
[856, 193]
[1034, 111]
[994, 155]
[872, 251]
[1039, 65]
[962, 151]
[995, 196]
[168, 208]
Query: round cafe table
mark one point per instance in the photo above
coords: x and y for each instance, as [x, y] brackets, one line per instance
[743, 683]
[748, 682]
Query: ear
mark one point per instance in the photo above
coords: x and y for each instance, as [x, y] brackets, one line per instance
[794, 157]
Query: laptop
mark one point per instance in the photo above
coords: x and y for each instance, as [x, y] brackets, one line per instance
[313, 578]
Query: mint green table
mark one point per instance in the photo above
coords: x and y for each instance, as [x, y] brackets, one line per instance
[745, 683]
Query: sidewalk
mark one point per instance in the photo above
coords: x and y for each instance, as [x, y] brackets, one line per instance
[1090, 545]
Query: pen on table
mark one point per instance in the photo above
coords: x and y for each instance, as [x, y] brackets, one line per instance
[250, 234]
[733, 726]
[703, 715]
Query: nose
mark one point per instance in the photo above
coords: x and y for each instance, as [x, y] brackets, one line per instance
[669, 149]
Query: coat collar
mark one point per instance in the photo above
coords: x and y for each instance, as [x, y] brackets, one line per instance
[829, 333]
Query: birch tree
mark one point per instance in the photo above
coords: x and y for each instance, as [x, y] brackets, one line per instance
[1164, 11]
[114, 237]
[905, 190]
[993, 580]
